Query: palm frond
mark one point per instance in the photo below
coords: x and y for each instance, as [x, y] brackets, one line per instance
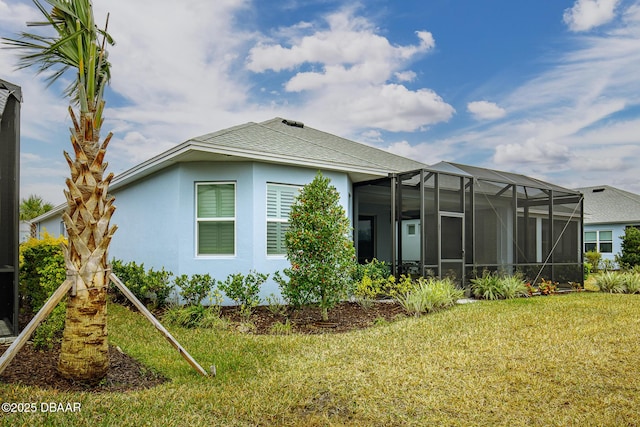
[75, 45]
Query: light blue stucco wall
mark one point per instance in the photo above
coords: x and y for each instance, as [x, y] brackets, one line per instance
[52, 225]
[156, 218]
[146, 215]
[617, 233]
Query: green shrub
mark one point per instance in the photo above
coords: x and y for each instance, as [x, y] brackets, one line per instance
[493, 286]
[195, 288]
[371, 281]
[370, 288]
[376, 270]
[49, 332]
[275, 305]
[159, 286]
[630, 255]
[611, 281]
[632, 283]
[588, 269]
[430, 295]
[608, 265]
[513, 287]
[152, 288]
[487, 287]
[244, 290]
[42, 270]
[593, 258]
[133, 276]
[319, 248]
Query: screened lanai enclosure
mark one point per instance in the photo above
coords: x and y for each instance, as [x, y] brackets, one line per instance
[10, 99]
[458, 221]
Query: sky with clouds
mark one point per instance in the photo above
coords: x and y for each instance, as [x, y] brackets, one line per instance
[549, 88]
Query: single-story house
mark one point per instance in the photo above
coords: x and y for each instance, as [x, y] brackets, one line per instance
[608, 211]
[219, 204]
[10, 100]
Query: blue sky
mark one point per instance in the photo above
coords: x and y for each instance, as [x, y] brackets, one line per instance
[546, 88]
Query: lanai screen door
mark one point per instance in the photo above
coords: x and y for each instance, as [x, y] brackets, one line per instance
[451, 263]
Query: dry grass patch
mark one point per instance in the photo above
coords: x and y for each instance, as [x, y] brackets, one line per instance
[560, 360]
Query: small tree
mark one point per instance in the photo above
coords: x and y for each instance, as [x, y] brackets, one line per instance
[319, 248]
[32, 207]
[630, 255]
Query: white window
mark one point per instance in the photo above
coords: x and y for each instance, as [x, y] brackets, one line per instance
[279, 200]
[215, 218]
[600, 241]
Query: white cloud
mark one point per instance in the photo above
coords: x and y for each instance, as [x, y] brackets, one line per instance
[14, 15]
[389, 107]
[405, 76]
[372, 136]
[588, 14]
[484, 110]
[531, 151]
[426, 152]
[343, 68]
[347, 40]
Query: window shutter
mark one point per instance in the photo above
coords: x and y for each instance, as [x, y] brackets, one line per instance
[287, 197]
[276, 238]
[216, 238]
[272, 202]
[216, 212]
[279, 201]
[216, 201]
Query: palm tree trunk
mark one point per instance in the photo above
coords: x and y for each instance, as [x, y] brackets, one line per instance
[84, 354]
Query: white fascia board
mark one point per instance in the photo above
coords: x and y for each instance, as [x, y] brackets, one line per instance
[170, 157]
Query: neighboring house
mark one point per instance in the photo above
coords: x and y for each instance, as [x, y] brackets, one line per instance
[219, 204]
[608, 211]
[25, 231]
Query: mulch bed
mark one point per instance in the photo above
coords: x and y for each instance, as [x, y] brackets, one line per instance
[38, 367]
[344, 317]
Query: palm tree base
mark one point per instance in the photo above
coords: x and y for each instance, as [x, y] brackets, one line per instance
[84, 354]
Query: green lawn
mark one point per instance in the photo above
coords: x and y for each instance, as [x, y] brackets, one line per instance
[560, 360]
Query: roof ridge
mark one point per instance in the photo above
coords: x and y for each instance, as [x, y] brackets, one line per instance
[384, 166]
[201, 138]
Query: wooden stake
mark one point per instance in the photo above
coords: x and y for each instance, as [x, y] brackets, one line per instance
[54, 299]
[44, 312]
[140, 306]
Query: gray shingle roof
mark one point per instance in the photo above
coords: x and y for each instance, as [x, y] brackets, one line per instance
[4, 95]
[295, 144]
[606, 204]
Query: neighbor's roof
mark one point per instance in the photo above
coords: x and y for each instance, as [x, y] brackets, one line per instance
[279, 141]
[606, 204]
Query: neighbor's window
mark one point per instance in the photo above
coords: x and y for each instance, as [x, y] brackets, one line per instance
[600, 241]
[216, 218]
[279, 200]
